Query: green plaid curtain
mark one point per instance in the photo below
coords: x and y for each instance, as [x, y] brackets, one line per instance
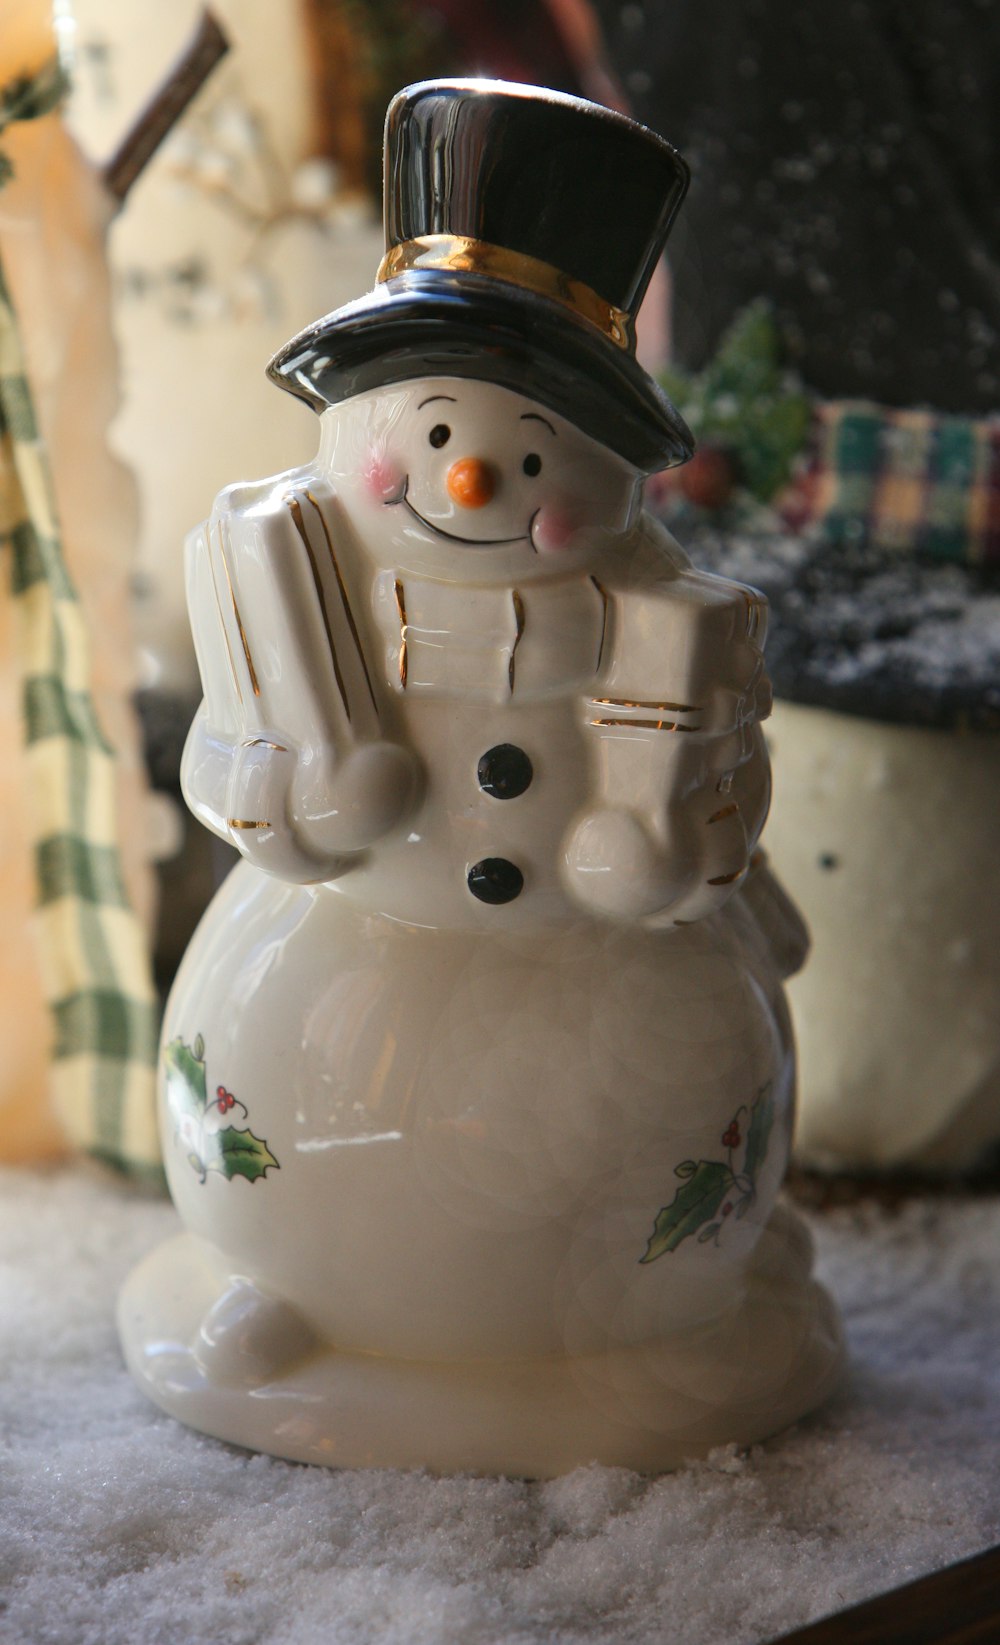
[95, 965]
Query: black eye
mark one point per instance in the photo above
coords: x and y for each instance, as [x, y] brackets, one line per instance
[439, 435]
[532, 464]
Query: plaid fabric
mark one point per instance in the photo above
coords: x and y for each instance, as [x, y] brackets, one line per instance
[907, 482]
[95, 967]
[27, 98]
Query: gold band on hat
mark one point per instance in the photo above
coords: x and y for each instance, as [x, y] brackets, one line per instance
[467, 256]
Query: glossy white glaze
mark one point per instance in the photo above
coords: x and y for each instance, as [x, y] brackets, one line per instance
[636, 680]
[476, 1115]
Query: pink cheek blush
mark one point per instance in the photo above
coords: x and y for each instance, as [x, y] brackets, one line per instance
[554, 529]
[381, 475]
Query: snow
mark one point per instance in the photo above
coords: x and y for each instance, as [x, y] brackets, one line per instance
[861, 631]
[117, 1525]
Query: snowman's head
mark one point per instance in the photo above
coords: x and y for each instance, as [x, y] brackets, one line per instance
[461, 478]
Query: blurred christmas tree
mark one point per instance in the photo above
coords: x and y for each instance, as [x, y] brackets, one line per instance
[747, 411]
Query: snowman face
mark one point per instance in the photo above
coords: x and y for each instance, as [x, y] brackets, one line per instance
[466, 479]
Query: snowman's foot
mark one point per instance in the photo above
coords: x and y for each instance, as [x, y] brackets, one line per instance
[247, 1339]
[227, 1360]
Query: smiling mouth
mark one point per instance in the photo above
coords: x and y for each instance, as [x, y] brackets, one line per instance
[449, 536]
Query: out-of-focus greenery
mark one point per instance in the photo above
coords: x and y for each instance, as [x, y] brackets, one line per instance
[747, 402]
[396, 43]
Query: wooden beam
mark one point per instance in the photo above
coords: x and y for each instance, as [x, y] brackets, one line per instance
[957, 1606]
[207, 46]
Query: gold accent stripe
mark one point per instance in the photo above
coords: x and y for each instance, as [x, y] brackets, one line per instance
[222, 620]
[727, 879]
[401, 609]
[602, 591]
[668, 708]
[469, 256]
[755, 604]
[348, 613]
[648, 725]
[726, 811]
[242, 822]
[254, 682]
[295, 510]
[519, 619]
[265, 742]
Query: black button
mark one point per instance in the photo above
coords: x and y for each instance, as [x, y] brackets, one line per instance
[504, 771]
[495, 880]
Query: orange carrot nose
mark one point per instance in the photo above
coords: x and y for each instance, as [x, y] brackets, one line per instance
[470, 482]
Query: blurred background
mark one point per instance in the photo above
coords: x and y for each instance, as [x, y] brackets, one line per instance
[828, 323]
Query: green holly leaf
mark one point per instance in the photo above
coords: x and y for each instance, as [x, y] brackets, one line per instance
[758, 1133]
[692, 1207]
[239, 1154]
[187, 1098]
[687, 1168]
[185, 1076]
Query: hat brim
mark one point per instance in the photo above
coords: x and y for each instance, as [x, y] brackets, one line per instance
[439, 323]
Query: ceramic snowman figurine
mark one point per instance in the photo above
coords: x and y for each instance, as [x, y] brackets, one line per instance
[477, 1077]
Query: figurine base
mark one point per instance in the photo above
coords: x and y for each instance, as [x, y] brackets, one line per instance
[649, 1407]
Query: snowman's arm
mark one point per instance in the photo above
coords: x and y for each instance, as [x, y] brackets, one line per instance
[286, 757]
[681, 770]
[776, 916]
[216, 731]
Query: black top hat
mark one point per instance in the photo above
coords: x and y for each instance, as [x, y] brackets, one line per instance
[522, 228]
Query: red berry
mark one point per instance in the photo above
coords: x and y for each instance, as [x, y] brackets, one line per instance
[727, 1208]
[220, 1090]
[709, 479]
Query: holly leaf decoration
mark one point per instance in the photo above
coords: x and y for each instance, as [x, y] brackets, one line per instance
[758, 1133]
[226, 1149]
[746, 402]
[187, 1098]
[693, 1207]
[185, 1076]
[240, 1154]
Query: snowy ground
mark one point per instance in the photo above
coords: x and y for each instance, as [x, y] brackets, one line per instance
[116, 1525]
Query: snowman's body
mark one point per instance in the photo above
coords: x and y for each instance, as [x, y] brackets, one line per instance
[509, 1060]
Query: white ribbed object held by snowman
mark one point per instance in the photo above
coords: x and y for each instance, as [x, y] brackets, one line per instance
[477, 1076]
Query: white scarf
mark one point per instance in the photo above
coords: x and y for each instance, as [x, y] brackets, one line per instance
[491, 644]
